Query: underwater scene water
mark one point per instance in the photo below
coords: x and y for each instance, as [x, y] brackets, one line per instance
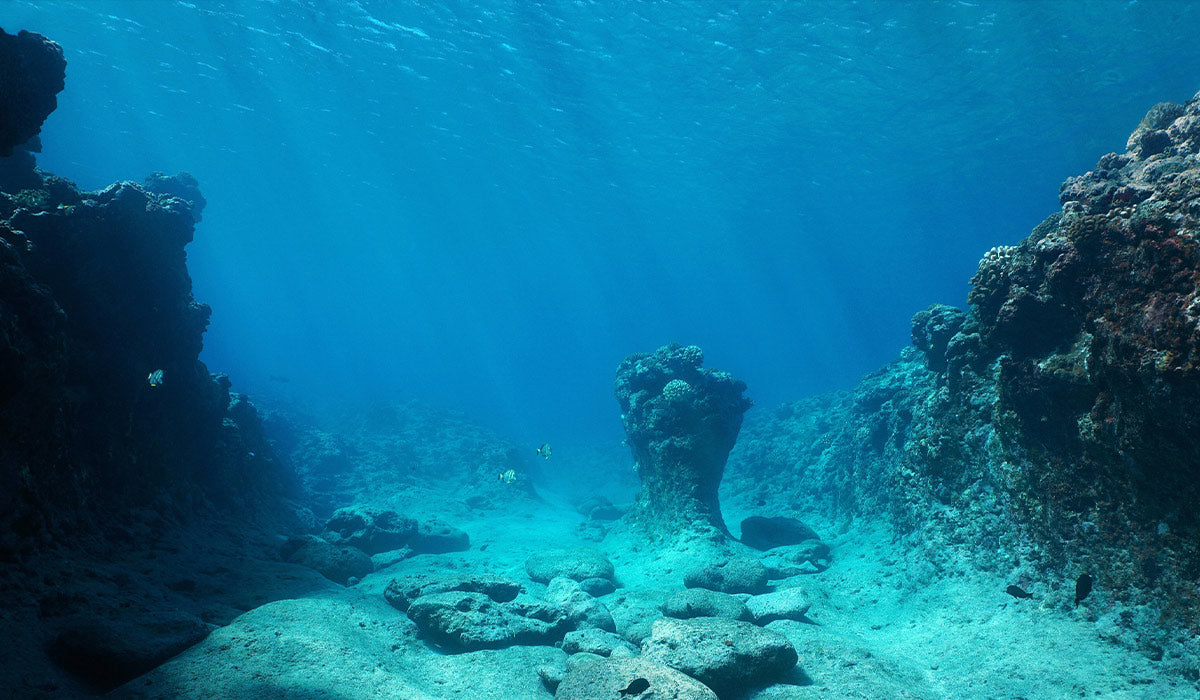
[600, 350]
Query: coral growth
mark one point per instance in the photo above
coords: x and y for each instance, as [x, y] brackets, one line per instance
[681, 421]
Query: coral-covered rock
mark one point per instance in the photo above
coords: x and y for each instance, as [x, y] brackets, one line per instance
[681, 421]
[32, 73]
[181, 186]
[1095, 319]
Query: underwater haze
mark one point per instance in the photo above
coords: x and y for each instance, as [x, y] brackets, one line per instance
[487, 205]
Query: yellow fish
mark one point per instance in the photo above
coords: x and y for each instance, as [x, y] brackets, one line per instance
[155, 378]
[508, 477]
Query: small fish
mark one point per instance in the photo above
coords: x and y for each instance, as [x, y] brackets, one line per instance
[544, 451]
[1018, 592]
[66, 208]
[1083, 586]
[507, 477]
[636, 687]
[155, 378]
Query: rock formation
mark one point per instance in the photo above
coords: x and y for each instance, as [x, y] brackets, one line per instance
[1050, 429]
[32, 73]
[681, 421]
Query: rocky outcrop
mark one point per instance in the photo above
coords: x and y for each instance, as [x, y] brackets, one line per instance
[115, 440]
[1048, 431]
[32, 73]
[681, 421]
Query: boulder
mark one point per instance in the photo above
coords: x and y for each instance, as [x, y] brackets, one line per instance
[808, 557]
[767, 533]
[372, 530]
[338, 564]
[634, 621]
[701, 602]
[595, 641]
[629, 678]
[584, 610]
[577, 563]
[436, 537]
[597, 586]
[786, 604]
[402, 591]
[736, 574]
[468, 621]
[726, 655]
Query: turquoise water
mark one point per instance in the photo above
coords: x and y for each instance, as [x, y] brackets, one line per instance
[487, 205]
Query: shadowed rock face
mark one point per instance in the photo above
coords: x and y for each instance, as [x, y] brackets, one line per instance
[32, 73]
[681, 421]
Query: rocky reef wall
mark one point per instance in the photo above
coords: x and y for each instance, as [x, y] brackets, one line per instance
[104, 405]
[1050, 430]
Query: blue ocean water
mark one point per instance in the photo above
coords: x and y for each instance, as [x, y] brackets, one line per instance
[487, 205]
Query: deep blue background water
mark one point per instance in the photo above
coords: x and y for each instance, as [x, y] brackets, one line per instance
[488, 205]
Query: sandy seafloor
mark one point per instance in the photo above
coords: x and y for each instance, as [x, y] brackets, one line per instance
[880, 627]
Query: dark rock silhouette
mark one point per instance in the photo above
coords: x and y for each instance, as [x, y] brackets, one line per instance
[32, 73]
[681, 421]
[115, 440]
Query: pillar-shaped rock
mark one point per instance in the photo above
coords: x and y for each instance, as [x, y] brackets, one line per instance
[681, 421]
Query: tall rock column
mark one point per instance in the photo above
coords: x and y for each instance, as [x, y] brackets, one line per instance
[681, 421]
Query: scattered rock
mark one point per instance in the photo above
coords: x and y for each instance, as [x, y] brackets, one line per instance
[768, 533]
[599, 508]
[384, 560]
[467, 621]
[809, 557]
[726, 655]
[338, 564]
[106, 652]
[370, 529]
[581, 659]
[621, 678]
[786, 604]
[401, 592]
[595, 641]
[597, 587]
[701, 602]
[737, 574]
[576, 563]
[634, 622]
[436, 537]
[584, 610]
[552, 675]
